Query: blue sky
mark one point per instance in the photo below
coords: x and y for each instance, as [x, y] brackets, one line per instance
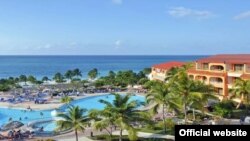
[124, 27]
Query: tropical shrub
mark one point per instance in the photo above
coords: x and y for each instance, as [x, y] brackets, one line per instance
[224, 108]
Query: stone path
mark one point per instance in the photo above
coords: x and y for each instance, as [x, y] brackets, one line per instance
[73, 139]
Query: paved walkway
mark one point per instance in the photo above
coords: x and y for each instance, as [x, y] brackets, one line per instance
[147, 135]
[73, 139]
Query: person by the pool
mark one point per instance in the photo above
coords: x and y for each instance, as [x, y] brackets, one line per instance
[29, 108]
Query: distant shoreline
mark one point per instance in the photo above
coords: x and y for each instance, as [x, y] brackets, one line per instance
[47, 65]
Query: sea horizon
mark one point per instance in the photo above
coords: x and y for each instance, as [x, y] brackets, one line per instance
[48, 65]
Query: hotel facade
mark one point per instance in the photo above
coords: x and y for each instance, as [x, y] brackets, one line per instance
[221, 71]
[159, 71]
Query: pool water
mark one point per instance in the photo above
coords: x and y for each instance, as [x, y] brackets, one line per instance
[26, 116]
[48, 126]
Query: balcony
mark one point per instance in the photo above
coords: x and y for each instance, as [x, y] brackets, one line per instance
[234, 74]
[239, 68]
[216, 68]
[216, 81]
[158, 77]
[216, 84]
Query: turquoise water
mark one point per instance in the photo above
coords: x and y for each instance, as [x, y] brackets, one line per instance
[40, 66]
[48, 126]
[28, 116]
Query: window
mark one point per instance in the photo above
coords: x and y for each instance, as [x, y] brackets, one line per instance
[198, 66]
[248, 68]
[238, 67]
[205, 66]
[217, 68]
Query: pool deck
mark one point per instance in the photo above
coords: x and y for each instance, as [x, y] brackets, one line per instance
[52, 103]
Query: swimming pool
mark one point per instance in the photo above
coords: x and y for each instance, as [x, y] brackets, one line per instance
[26, 116]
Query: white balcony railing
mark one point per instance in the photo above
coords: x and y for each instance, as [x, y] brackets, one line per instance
[159, 77]
[234, 74]
[216, 84]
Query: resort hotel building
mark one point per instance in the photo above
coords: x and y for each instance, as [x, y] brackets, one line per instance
[159, 71]
[221, 71]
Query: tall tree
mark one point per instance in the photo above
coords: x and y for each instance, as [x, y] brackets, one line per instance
[31, 79]
[124, 78]
[188, 90]
[73, 119]
[77, 73]
[140, 75]
[45, 79]
[111, 74]
[146, 71]
[171, 73]
[93, 73]
[23, 78]
[161, 97]
[58, 77]
[242, 88]
[111, 77]
[69, 74]
[124, 111]
[104, 120]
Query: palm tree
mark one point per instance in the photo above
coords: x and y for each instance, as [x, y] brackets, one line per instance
[58, 77]
[146, 71]
[23, 78]
[31, 79]
[104, 120]
[66, 99]
[242, 88]
[171, 73]
[160, 97]
[188, 90]
[73, 119]
[93, 73]
[77, 73]
[45, 79]
[69, 74]
[198, 100]
[124, 111]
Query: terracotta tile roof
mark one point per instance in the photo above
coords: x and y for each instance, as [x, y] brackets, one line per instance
[169, 65]
[227, 58]
[200, 72]
[245, 76]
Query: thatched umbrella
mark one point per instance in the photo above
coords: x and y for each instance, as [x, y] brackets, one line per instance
[12, 125]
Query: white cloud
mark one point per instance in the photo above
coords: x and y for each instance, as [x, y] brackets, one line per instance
[243, 15]
[119, 2]
[118, 43]
[187, 12]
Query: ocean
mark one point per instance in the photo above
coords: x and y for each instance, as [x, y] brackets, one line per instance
[40, 66]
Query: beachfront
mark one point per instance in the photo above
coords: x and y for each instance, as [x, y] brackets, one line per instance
[54, 108]
[36, 103]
